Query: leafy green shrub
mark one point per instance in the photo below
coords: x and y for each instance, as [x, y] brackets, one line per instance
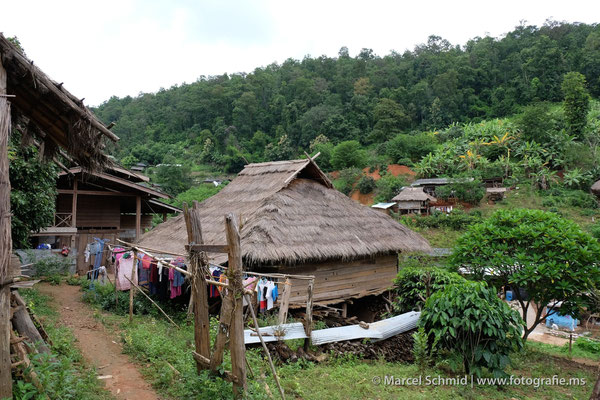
[548, 256]
[456, 220]
[422, 352]
[348, 154]
[471, 320]
[467, 191]
[51, 266]
[414, 285]
[347, 179]
[366, 185]
[587, 344]
[388, 187]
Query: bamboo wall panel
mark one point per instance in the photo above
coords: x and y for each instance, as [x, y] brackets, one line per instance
[98, 212]
[343, 280]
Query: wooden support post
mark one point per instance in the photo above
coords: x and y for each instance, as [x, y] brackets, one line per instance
[5, 242]
[164, 217]
[309, 309]
[344, 310]
[285, 301]
[237, 348]
[133, 272]
[138, 217]
[74, 213]
[225, 316]
[199, 287]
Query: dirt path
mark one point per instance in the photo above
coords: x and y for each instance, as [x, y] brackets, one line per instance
[98, 346]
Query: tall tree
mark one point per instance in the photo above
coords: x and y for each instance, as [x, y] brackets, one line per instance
[576, 102]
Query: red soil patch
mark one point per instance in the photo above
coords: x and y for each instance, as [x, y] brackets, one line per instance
[366, 199]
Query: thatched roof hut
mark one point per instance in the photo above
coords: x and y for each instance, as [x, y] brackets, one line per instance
[293, 219]
[413, 194]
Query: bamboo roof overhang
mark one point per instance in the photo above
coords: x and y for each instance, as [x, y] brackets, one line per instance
[46, 109]
[111, 182]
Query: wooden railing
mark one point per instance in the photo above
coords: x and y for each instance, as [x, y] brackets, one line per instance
[63, 219]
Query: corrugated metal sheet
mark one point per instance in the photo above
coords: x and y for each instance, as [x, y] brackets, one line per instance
[383, 205]
[342, 333]
[396, 325]
[377, 331]
[292, 331]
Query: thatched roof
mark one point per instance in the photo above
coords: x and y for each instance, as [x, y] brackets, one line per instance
[44, 110]
[413, 194]
[290, 214]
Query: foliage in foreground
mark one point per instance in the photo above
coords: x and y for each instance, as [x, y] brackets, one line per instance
[548, 256]
[415, 284]
[470, 319]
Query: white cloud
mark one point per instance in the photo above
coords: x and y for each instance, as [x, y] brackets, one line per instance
[123, 47]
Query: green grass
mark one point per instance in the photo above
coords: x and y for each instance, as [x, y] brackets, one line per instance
[164, 356]
[64, 374]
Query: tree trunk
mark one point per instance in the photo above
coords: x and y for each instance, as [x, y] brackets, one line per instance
[24, 325]
[5, 242]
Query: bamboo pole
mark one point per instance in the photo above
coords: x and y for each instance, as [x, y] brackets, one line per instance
[264, 345]
[153, 302]
[133, 272]
[237, 347]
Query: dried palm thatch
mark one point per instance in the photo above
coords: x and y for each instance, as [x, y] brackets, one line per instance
[291, 214]
[61, 119]
[413, 194]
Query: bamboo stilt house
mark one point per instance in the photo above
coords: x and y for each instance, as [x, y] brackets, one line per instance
[293, 221]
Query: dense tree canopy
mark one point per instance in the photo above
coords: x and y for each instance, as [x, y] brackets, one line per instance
[538, 251]
[276, 111]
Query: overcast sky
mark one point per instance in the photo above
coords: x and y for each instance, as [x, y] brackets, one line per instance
[124, 47]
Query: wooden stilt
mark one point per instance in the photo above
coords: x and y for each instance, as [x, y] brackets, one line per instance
[285, 301]
[309, 309]
[237, 348]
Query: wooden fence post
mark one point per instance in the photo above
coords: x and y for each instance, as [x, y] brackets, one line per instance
[237, 347]
[309, 309]
[5, 242]
[285, 301]
[199, 287]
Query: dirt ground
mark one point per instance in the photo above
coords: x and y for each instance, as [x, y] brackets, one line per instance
[98, 346]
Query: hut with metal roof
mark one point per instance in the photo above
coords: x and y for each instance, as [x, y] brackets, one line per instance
[413, 200]
[293, 221]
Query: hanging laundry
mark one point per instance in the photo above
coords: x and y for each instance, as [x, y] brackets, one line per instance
[216, 274]
[125, 266]
[87, 253]
[264, 294]
[176, 278]
[154, 277]
[146, 260]
[249, 284]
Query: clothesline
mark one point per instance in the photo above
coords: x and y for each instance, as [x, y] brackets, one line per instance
[266, 275]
